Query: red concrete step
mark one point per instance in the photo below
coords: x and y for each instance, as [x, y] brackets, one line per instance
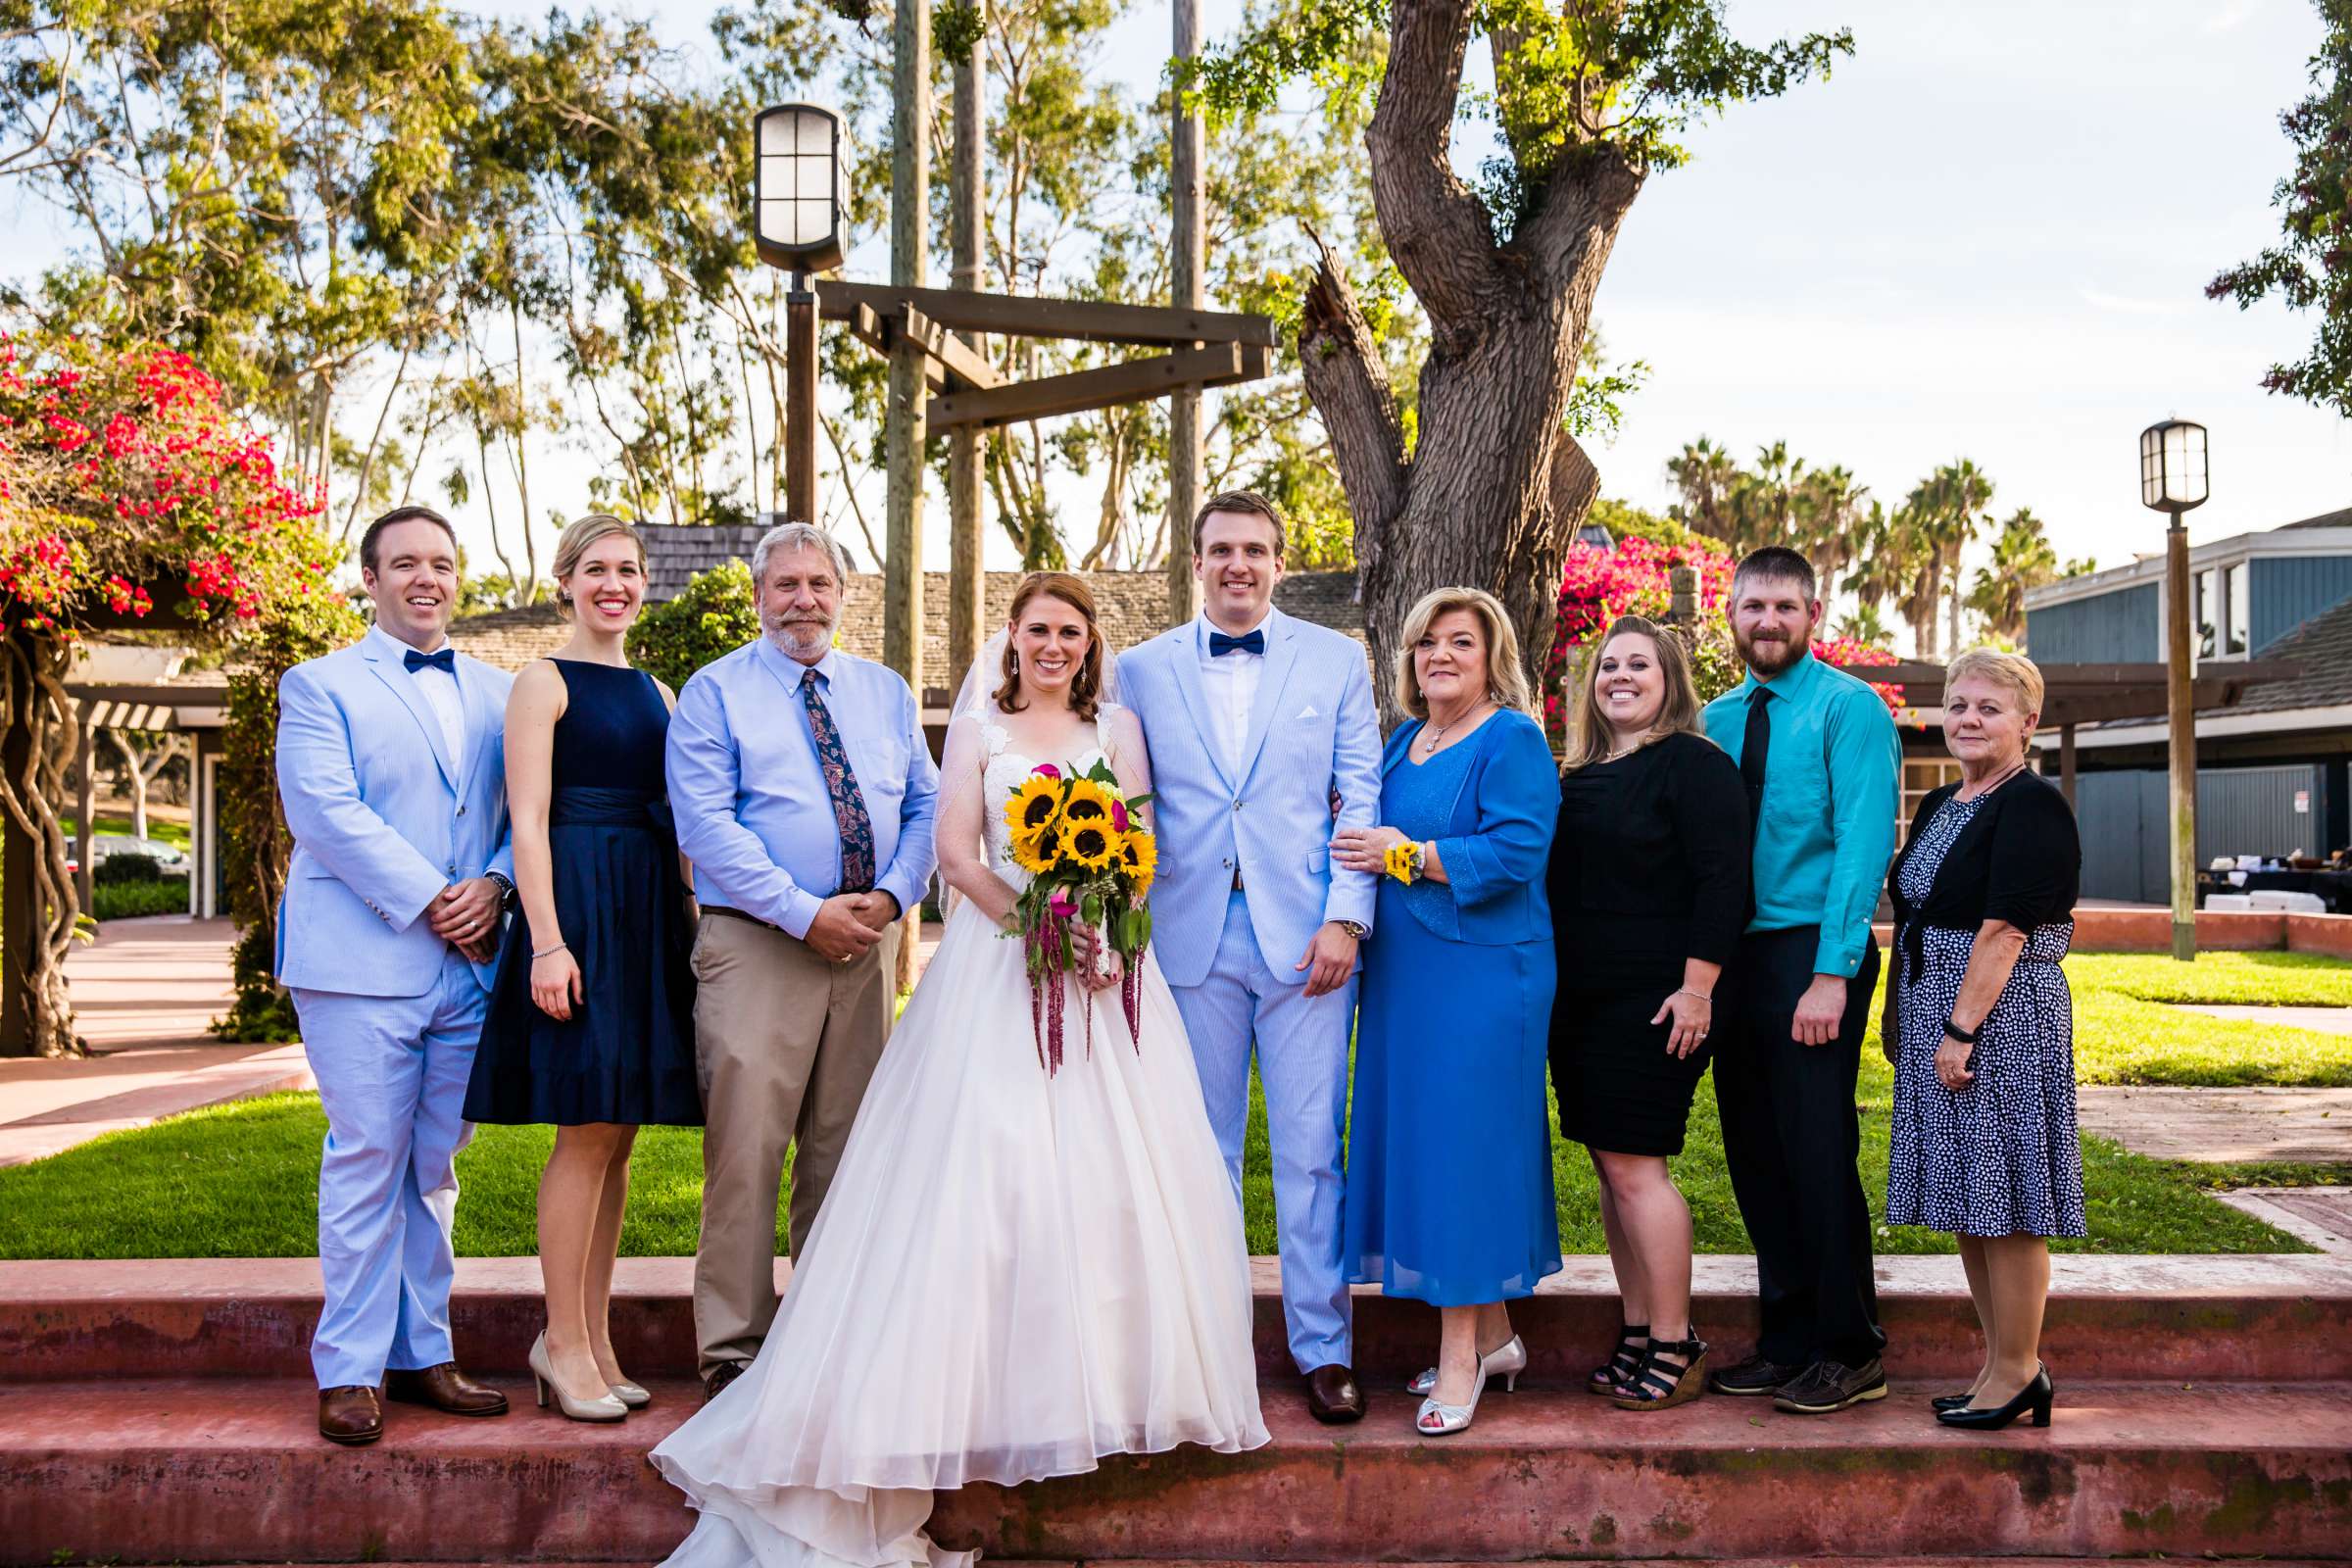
[2261, 1319]
[222, 1471]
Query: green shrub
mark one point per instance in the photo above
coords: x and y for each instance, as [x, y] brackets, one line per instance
[716, 614]
[118, 868]
[124, 900]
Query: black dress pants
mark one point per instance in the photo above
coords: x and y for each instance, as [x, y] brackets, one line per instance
[1791, 1137]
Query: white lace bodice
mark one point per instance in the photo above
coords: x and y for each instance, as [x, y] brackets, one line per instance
[1003, 775]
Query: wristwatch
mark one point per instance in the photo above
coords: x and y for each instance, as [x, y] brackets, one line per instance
[507, 898]
[1354, 928]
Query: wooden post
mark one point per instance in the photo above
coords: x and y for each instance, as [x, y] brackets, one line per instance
[1184, 405]
[2066, 764]
[967, 521]
[904, 426]
[2179, 652]
[800, 414]
[86, 818]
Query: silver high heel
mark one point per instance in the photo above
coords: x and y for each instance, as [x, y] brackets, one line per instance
[1505, 1362]
[631, 1395]
[604, 1408]
[1508, 1359]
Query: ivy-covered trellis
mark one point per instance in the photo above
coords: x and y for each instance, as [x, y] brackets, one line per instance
[130, 497]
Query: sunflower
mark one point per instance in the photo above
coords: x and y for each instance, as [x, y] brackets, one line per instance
[1089, 802]
[1091, 844]
[1035, 852]
[1033, 806]
[1139, 858]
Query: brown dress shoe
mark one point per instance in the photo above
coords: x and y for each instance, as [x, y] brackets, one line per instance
[444, 1388]
[719, 1376]
[350, 1416]
[1333, 1395]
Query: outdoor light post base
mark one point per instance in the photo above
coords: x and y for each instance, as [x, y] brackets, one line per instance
[2185, 941]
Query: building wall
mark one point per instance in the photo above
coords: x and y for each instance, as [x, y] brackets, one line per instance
[2124, 822]
[2286, 591]
[2119, 627]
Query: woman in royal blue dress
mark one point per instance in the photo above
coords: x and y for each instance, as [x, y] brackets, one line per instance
[591, 1021]
[1450, 1196]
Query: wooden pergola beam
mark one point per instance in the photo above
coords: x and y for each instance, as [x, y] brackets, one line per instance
[1014, 315]
[1136, 380]
[2234, 672]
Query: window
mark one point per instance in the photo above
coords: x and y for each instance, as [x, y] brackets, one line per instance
[2205, 607]
[1921, 777]
[2237, 602]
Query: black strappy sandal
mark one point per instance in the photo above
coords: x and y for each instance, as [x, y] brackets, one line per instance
[1623, 1363]
[1659, 1386]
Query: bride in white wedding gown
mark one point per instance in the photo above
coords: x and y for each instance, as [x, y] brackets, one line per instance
[1013, 1273]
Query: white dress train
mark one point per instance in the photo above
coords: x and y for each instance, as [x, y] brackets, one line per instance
[1013, 1275]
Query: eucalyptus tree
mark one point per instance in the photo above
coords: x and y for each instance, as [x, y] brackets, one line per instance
[1587, 101]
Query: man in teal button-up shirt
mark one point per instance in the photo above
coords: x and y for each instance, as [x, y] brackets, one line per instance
[1820, 758]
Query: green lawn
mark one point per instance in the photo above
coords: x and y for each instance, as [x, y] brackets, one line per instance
[174, 834]
[239, 1180]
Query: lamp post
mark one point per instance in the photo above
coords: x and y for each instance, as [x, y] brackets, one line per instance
[800, 206]
[2173, 479]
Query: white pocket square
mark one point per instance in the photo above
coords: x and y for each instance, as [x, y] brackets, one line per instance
[1307, 712]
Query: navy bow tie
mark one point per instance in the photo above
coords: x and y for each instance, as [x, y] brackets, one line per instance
[446, 660]
[1219, 645]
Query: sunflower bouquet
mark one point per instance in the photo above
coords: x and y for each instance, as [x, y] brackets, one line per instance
[1091, 861]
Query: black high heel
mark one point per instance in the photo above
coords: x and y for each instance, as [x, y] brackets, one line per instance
[1623, 1363]
[1950, 1401]
[2034, 1395]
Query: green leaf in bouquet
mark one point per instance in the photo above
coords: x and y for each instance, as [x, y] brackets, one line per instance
[1090, 908]
[1100, 773]
[1135, 800]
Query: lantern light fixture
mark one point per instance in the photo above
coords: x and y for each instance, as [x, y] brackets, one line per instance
[2172, 466]
[801, 187]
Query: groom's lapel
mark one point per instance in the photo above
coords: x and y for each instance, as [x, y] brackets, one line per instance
[1187, 654]
[1282, 655]
[403, 685]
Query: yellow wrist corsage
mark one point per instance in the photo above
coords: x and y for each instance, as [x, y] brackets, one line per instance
[1403, 861]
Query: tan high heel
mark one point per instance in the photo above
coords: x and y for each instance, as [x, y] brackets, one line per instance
[631, 1395]
[606, 1407]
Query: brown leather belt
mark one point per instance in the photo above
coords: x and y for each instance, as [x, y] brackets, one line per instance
[734, 914]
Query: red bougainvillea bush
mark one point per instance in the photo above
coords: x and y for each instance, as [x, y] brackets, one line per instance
[1635, 577]
[126, 485]
[123, 477]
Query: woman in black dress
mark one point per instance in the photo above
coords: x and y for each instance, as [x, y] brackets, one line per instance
[1648, 885]
[591, 1022]
[1980, 1027]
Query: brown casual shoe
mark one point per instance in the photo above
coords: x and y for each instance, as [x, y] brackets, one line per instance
[719, 1376]
[1333, 1395]
[446, 1389]
[350, 1416]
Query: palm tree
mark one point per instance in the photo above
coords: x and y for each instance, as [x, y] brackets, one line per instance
[2022, 558]
[1704, 474]
[1762, 505]
[1829, 521]
[1863, 624]
[1895, 563]
[1948, 508]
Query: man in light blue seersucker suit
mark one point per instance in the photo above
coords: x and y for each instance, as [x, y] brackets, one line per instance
[391, 765]
[1257, 724]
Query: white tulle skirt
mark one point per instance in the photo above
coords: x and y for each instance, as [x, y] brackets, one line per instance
[1011, 1276]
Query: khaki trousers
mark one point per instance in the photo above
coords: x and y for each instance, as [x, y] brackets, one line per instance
[785, 1043]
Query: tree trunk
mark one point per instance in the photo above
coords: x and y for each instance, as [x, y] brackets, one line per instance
[38, 745]
[1494, 487]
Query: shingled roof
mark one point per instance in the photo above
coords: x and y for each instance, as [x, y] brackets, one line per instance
[2322, 646]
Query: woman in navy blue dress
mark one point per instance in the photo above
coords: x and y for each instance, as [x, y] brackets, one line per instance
[591, 1021]
[1449, 1195]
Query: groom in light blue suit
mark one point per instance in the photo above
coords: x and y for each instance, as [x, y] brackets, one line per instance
[1260, 728]
[391, 765]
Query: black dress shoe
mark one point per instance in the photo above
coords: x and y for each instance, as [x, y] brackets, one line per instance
[1757, 1376]
[719, 1376]
[2035, 1397]
[1333, 1395]
[1950, 1401]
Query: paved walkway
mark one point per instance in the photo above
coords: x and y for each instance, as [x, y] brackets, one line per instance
[143, 994]
[2216, 1126]
[2328, 1021]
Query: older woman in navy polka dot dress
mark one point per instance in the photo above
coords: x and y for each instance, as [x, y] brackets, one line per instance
[1979, 1027]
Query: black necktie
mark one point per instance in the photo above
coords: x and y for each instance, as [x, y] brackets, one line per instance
[446, 660]
[1252, 641]
[1752, 750]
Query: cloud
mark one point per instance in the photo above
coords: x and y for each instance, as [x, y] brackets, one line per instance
[2132, 307]
[2233, 12]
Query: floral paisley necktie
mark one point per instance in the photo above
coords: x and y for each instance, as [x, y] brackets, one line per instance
[849, 802]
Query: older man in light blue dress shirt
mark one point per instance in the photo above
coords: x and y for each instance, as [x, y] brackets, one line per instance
[805, 794]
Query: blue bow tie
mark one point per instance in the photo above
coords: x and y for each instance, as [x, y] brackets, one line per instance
[446, 660]
[1219, 645]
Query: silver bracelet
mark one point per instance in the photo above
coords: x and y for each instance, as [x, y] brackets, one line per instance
[544, 951]
[1685, 991]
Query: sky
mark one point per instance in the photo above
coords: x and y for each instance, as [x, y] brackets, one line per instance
[1986, 236]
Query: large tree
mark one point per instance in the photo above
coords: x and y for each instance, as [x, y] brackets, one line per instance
[2311, 269]
[1588, 99]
